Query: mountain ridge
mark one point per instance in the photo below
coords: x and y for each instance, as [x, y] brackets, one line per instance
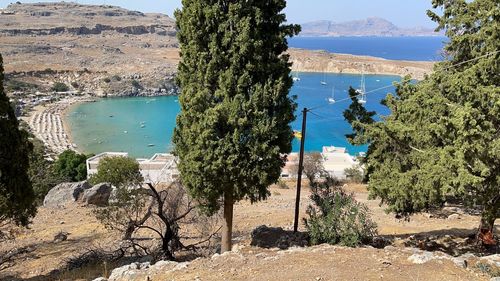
[372, 26]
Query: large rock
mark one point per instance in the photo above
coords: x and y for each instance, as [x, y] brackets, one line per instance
[65, 193]
[98, 195]
[277, 237]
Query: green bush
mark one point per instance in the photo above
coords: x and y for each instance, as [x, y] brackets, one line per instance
[107, 80]
[60, 87]
[118, 171]
[41, 171]
[75, 85]
[16, 85]
[71, 166]
[117, 78]
[336, 217]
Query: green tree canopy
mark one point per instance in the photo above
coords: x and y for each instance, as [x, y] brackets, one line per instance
[17, 198]
[118, 171]
[71, 166]
[235, 110]
[442, 137]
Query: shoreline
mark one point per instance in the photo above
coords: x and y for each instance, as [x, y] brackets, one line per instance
[44, 119]
[48, 122]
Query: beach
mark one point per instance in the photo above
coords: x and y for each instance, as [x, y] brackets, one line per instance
[47, 122]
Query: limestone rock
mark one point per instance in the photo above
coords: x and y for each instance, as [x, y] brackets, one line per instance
[421, 258]
[65, 193]
[98, 195]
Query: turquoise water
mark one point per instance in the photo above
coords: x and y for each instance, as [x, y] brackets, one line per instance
[395, 48]
[94, 130]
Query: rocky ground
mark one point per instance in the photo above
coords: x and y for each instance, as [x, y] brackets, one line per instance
[103, 48]
[423, 248]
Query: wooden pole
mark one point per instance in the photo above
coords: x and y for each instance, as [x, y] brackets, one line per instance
[299, 174]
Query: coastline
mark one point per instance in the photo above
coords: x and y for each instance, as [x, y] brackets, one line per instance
[48, 122]
[322, 61]
[57, 136]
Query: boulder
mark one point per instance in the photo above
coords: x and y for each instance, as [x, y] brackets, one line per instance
[421, 258]
[277, 237]
[98, 195]
[65, 193]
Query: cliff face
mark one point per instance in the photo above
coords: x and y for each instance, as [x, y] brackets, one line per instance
[41, 19]
[321, 61]
[107, 41]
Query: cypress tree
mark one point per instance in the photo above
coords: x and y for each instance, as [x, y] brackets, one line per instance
[234, 125]
[442, 137]
[16, 193]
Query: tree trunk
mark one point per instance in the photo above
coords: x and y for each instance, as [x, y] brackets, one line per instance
[127, 235]
[167, 237]
[485, 233]
[227, 228]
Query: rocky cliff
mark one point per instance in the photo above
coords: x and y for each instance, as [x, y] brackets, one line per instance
[113, 47]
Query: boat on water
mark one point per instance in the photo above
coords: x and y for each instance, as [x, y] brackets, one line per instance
[362, 91]
[125, 132]
[323, 82]
[151, 145]
[331, 100]
[296, 77]
[143, 126]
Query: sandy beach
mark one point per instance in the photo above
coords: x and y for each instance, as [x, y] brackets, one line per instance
[47, 122]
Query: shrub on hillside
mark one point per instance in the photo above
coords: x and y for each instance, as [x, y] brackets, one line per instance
[118, 171]
[60, 87]
[335, 217]
[71, 166]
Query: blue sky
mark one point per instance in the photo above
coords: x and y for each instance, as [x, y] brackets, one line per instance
[404, 13]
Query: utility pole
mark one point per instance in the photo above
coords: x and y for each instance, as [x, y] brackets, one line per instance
[299, 174]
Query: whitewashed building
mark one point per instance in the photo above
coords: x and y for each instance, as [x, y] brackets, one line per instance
[161, 168]
[336, 160]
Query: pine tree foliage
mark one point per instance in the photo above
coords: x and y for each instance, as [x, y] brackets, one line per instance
[235, 80]
[235, 110]
[442, 137]
[17, 198]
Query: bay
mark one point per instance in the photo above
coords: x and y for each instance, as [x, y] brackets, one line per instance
[419, 48]
[143, 126]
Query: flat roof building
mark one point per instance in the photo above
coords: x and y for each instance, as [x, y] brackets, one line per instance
[161, 168]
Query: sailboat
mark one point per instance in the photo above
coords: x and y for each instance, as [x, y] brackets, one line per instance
[331, 100]
[323, 82]
[362, 92]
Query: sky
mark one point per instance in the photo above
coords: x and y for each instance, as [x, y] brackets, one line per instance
[403, 13]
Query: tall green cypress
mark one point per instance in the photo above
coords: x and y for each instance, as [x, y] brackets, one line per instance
[442, 138]
[234, 124]
[16, 193]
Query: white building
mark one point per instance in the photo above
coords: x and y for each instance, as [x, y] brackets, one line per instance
[161, 168]
[336, 160]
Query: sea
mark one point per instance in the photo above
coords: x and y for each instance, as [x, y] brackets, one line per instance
[393, 48]
[143, 126]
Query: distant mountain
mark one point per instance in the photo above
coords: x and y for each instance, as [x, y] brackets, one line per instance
[368, 27]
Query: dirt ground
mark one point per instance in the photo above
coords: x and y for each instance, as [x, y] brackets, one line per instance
[41, 255]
